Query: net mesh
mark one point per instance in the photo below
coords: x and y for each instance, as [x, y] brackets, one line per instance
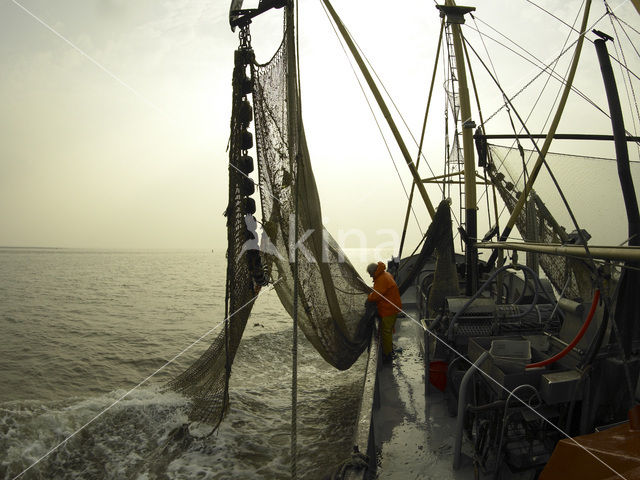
[536, 222]
[206, 381]
[331, 294]
[331, 308]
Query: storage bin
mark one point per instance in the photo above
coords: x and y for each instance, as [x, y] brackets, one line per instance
[510, 355]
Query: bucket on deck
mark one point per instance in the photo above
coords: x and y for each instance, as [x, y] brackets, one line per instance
[438, 374]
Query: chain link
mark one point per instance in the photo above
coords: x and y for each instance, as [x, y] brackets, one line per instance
[245, 37]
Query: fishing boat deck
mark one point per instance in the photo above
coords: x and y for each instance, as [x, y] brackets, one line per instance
[413, 437]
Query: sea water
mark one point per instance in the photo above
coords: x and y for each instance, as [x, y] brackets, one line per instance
[87, 343]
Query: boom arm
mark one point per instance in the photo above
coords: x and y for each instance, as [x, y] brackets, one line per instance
[239, 17]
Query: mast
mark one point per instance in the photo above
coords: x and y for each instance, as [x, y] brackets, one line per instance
[455, 17]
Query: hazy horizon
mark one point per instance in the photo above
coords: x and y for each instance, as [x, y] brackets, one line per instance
[115, 115]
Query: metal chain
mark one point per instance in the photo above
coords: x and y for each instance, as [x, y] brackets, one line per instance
[245, 37]
[245, 44]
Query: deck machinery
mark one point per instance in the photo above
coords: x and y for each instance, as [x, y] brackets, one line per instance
[515, 416]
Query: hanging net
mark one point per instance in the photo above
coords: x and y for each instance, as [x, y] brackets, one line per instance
[207, 380]
[331, 294]
[592, 197]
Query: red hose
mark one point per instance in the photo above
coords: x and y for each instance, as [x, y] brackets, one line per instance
[574, 342]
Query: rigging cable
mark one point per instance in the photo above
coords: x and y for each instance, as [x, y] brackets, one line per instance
[455, 148]
[493, 188]
[447, 169]
[620, 23]
[393, 103]
[551, 73]
[420, 153]
[623, 67]
[373, 115]
[537, 76]
[572, 27]
[419, 145]
[542, 70]
[562, 79]
[424, 128]
[294, 350]
[629, 26]
[609, 11]
[544, 161]
[555, 101]
[616, 328]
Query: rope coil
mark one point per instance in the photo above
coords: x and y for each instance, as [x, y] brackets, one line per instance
[357, 461]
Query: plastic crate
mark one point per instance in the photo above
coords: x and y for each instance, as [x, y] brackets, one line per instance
[511, 355]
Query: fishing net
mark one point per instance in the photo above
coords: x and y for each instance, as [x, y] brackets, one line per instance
[536, 223]
[438, 242]
[331, 295]
[206, 381]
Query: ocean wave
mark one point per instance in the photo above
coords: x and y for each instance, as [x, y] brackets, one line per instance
[143, 436]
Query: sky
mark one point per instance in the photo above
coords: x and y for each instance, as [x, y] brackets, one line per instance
[115, 114]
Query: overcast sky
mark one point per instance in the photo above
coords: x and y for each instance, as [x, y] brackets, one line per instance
[115, 114]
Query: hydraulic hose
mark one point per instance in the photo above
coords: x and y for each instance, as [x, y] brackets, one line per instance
[574, 342]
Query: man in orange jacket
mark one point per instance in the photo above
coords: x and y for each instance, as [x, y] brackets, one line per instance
[386, 295]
